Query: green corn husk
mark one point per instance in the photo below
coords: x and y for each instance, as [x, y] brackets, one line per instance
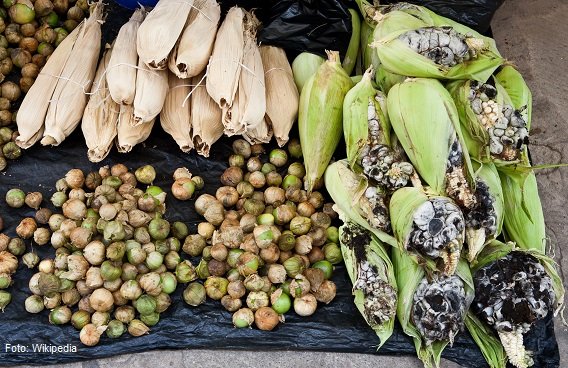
[320, 116]
[353, 49]
[403, 205]
[408, 276]
[355, 123]
[497, 250]
[397, 57]
[418, 103]
[524, 218]
[517, 90]
[374, 253]
[346, 188]
[487, 342]
[476, 238]
[304, 66]
[385, 80]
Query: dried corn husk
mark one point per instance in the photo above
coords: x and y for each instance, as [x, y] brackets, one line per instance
[151, 91]
[408, 276]
[232, 116]
[121, 74]
[372, 274]
[192, 51]
[100, 119]
[262, 133]
[251, 80]
[175, 116]
[70, 98]
[130, 135]
[320, 116]
[160, 31]
[282, 96]
[205, 117]
[224, 67]
[31, 115]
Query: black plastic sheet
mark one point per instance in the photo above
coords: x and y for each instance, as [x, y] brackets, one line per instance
[337, 327]
[476, 14]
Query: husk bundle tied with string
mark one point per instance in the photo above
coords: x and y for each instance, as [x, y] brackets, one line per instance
[121, 73]
[129, 133]
[100, 118]
[31, 115]
[193, 49]
[282, 96]
[205, 116]
[175, 116]
[151, 91]
[159, 32]
[69, 98]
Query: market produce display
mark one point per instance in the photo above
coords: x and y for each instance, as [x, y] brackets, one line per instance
[410, 171]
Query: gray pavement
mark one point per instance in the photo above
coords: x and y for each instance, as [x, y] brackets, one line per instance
[533, 34]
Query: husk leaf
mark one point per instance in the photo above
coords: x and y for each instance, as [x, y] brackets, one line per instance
[175, 115]
[129, 135]
[205, 116]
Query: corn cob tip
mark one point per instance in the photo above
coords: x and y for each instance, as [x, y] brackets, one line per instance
[475, 239]
[515, 348]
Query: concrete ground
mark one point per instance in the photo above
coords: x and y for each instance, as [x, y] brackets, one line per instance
[530, 33]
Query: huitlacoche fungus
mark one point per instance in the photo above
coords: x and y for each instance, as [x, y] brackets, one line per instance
[379, 161]
[442, 45]
[511, 294]
[438, 231]
[457, 186]
[507, 128]
[373, 205]
[439, 308]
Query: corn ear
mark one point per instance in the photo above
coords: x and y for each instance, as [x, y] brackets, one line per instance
[205, 116]
[129, 135]
[151, 91]
[69, 98]
[408, 276]
[100, 119]
[121, 73]
[304, 66]
[376, 300]
[347, 189]
[406, 207]
[356, 107]
[488, 189]
[191, 53]
[398, 57]
[348, 62]
[320, 116]
[524, 219]
[282, 96]
[31, 115]
[224, 67]
[437, 112]
[175, 116]
[159, 32]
